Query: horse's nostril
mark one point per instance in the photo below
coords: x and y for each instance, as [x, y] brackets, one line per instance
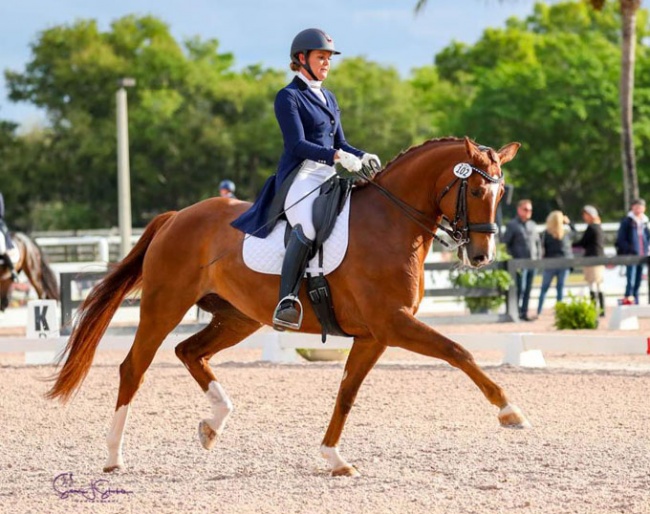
[479, 259]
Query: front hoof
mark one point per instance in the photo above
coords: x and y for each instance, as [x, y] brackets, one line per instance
[512, 417]
[345, 471]
[207, 435]
[114, 468]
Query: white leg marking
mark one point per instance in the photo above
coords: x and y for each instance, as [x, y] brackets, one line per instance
[333, 457]
[221, 407]
[512, 411]
[115, 438]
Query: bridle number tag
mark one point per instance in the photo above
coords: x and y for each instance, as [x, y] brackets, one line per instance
[462, 170]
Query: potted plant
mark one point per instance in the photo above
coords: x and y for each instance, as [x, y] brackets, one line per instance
[494, 282]
[576, 313]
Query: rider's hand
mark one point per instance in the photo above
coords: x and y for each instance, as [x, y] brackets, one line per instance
[370, 160]
[349, 161]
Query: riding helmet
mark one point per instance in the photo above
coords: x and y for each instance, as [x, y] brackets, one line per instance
[311, 39]
[227, 184]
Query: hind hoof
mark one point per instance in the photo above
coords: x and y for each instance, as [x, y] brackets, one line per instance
[345, 471]
[207, 435]
[113, 469]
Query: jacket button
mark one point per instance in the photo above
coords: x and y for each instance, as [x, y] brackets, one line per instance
[331, 133]
[332, 122]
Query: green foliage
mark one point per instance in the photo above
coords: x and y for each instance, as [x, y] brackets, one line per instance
[576, 313]
[484, 279]
[496, 279]
[550, 81]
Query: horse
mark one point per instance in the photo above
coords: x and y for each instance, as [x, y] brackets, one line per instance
[194, 256]
[33, 262]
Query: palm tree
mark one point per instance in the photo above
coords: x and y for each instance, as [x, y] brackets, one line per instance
[629, 9]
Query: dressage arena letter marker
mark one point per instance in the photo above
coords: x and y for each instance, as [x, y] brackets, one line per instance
[42, 319]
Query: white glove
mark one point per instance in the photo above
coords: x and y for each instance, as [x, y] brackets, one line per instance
[349, 161]
[367, 161]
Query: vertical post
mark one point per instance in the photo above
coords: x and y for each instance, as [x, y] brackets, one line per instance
[512, 304]
[123, 171]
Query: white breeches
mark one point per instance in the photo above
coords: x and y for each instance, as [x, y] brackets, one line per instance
[310, 176]
[3, 245]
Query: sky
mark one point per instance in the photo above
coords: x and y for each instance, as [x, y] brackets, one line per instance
[260, 31]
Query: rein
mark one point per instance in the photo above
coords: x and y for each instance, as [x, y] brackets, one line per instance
[458, 229]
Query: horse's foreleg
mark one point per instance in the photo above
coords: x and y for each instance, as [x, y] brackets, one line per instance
[227, 328]
[363, 356]
[411, 334]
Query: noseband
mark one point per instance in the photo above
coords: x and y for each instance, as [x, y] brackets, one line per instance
[459, 229]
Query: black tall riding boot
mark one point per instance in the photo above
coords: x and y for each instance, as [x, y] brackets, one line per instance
[288, 313]
[10, 265]
[601, 301]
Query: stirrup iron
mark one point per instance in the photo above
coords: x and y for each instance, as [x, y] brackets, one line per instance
[279, 323]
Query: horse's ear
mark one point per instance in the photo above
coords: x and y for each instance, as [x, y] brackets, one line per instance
[508, 152]
[474, 152]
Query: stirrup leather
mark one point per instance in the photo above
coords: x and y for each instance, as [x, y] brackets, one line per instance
[278, 322]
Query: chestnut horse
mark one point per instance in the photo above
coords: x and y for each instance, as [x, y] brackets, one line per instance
[33, 262]
[194, 256]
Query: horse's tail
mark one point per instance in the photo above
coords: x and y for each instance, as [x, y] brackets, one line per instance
[97, 310]
[50, 285]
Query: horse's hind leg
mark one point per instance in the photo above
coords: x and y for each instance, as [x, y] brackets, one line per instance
[227, 328]
[152, 330]
[363, 356]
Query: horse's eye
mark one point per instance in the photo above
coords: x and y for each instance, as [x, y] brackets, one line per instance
[476, 193]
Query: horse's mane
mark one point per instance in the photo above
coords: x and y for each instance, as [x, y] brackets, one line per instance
[421, 146]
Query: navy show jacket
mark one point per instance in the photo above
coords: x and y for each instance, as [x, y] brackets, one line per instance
[311, 130]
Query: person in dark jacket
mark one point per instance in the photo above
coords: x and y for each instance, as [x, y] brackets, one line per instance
[593, 242]
[522, 242]
[633, 238]
[6, 243]
[310, 121]
[556, 242]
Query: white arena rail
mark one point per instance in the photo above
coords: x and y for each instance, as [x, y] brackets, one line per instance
[518, 349]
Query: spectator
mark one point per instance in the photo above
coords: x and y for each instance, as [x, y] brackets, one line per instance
[6, 243]
[227, 189]
[593, 242]
[632, 239]
[522, 241]
[555, 243]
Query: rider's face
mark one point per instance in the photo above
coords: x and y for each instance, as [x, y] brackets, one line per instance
[319, 60]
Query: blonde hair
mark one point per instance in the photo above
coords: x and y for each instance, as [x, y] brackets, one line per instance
[555, 224]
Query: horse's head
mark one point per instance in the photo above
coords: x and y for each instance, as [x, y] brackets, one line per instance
[468, 197]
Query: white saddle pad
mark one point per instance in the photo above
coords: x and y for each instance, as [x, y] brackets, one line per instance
[265, 255]
[14, 254]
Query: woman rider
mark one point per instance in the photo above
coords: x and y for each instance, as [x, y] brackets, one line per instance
[309, 118]
[5, 242]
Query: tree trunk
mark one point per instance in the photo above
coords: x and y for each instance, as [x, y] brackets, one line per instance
[628, 49]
